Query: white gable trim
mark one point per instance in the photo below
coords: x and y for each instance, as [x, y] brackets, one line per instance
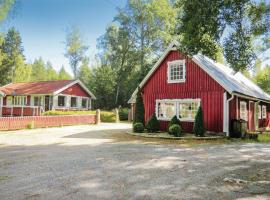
[154, 68]
[73, 83]
[2, 94]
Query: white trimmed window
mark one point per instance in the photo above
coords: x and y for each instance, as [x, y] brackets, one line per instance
[259, 111]
[61, 101]
[188, 109]
[243, 111]
[84, 102]
[73, 102]
[176, 71]
[184, 109]
[264, 112]
[20, 101]
[37, 100]
[9, 101]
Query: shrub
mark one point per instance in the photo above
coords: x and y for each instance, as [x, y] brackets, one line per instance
[138, 127]
[198, 128]
[123, 114]
[173, 121]
[175, 130]
[139, 108]
[153, 124]
[105, 116]
[31, 125]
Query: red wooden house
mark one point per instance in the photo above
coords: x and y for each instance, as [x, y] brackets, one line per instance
[33, 98]
[178, 84]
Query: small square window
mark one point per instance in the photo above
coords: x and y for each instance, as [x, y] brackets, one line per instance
[176, 71]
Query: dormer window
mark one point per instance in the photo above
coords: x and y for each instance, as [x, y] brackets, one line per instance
[176, 71]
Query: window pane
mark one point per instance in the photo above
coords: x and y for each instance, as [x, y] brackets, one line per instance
[84, 103]
[176, 71]
[73, 102]
[61, 101]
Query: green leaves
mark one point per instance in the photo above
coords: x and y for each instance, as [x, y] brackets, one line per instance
[232, 27]
[75, 48]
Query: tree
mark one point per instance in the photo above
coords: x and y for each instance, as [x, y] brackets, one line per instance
[153, 125]
[12, 51]
[139, 108]
[23, 72]
[84, 73]
[5, 7]
[150, 24]
[199, 26]
[117, 50]
[39, 72]
[102, 84]
[63, 75]
[198, 127]
[75, 49]
[262, 78]
[50, 71]
[231, 27]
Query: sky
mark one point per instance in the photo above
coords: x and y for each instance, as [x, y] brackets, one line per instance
[43, 23]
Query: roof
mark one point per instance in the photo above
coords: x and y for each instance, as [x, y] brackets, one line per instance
[231, 81]
[41, 87]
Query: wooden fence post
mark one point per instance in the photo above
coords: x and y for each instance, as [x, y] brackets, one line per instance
[116, 115]
[97, 116]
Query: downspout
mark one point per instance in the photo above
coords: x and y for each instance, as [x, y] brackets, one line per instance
[228, 105]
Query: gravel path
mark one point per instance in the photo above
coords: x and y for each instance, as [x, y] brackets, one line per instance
[89, 162]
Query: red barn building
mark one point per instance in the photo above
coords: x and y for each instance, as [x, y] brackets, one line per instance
[178, 84]
[33, 98]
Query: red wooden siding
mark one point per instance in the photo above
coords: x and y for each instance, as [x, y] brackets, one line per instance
[76, 90]
[198, 84]
[235, 113]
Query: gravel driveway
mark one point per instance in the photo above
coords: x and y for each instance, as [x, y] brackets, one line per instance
[91, 162]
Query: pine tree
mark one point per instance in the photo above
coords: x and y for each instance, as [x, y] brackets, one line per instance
[139, 108]
[153, 124]
[198, 128]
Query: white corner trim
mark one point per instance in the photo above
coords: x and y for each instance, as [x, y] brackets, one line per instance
[73, 83]
[171, 47]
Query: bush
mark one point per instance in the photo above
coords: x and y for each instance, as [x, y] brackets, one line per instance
[105, 116]
[173, 121]
[123, 114]
[153, 124]
[175, 130]
[138, 127]
[198, 128]
[139, 108]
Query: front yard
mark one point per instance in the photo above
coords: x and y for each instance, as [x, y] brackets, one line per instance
[103, 162]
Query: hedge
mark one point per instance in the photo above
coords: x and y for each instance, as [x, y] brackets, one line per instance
[105, 116]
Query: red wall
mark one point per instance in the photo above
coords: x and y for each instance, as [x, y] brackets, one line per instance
[198, 84]
[13, 123]
[234, 114]
[76, 90]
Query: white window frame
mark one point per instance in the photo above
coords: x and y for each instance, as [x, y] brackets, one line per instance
[264, 112]
[42, 100]
[20, 100]
[9, 101]
[77, 102]
[243, 114]
[65, 103]
[86, 106]
[176, 104]
[259, 112]
[172, 63]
